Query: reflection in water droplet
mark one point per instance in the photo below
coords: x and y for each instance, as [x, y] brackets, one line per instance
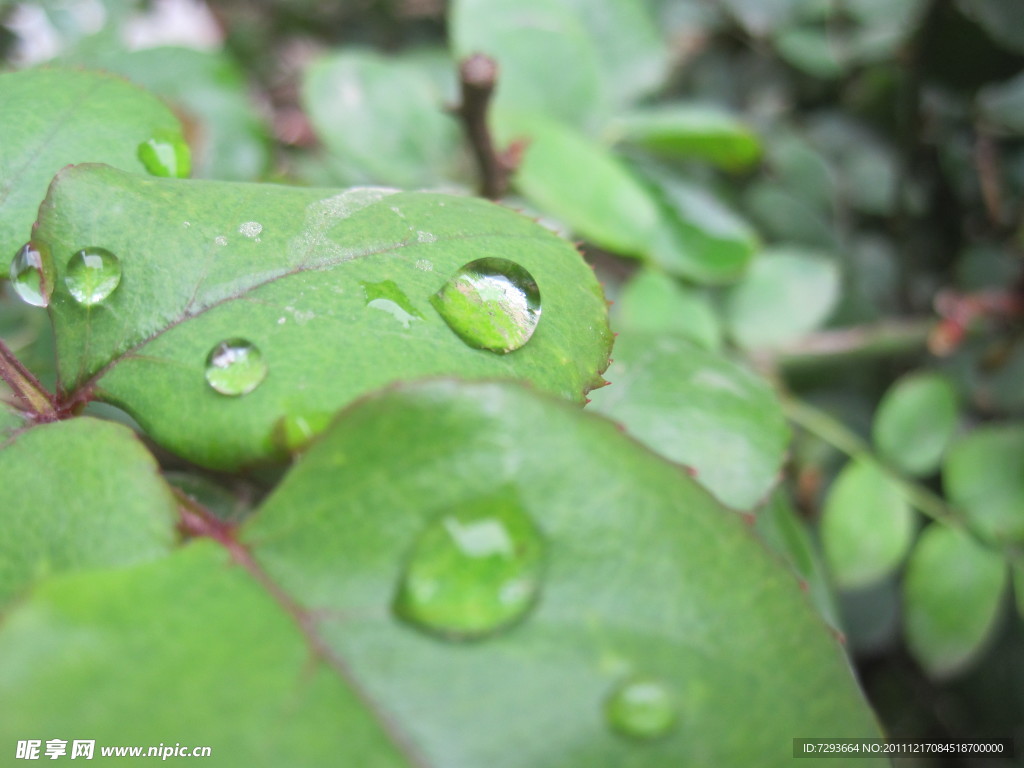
[474, 569]
[92, 274]
[491, 304]
[250, 228]
[293, 431]
[235, 367]
[642, 708]
[33, 273]
[166, 155]
[386, 296]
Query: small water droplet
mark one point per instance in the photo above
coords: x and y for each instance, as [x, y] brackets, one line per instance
[642, 708]
[386, 296]
[186, 224]
[235, 367]
[33, 273]
[491, 304]
[473, 570]
[425, 237]
[250, 228]
[424, 265]
[293, 431]
[92, 275]
[166, 155]
[220, 240]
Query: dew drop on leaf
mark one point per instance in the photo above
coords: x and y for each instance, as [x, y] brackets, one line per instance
[641, 708]
[473, 570]
[386, 296]
[92, 275]
[235, 367]
[166, 155]
[33, 273]
[491, 304]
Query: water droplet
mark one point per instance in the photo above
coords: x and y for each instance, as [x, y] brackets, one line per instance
[425, 237]
[293, 432]
[235, 367]
[642, 708]
[424, 265]
[386, 296]
[220, 240]
[166, 155]
[250, 228]
[33, 273]
[92, 274]
[474, 570]
[491, 304]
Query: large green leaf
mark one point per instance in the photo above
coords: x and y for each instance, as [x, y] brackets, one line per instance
[78, 494]
[703, 132]
[377, 135]
[915, 422]
[52, 117]
[952, 594]
[641, 576]
[867, 526]
[333, 288]
[700, 409]
[654, 301]
[983, 474]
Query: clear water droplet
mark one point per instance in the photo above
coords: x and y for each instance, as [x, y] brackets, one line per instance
[474, 570]
[166, 154]
[386, 296]
[293, 431]
[425, 237]
[642, 708]
[424, 265]
[491, 304]
[220, 240]
[33, 273]
[235, 367]
[92, 275]
[250, 229]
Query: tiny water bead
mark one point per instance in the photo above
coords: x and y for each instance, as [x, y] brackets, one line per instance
[386, 296]
[473, 570]
[641, 708]
[235, 367]
[33, 273]
[490, 304]
[166, 155]
[92, 275]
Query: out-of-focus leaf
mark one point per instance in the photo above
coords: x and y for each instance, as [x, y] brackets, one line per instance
[699, 409]
[699, 237]
[786, 293]
[951, 593]
[78, 494]
[983, 475]
[867, 526]
[333, 288]
[228, 138]
[382, 118]
[581, 183]
[759, 17]
[52, 117]
[1003, 104]
[653, 301]
[548, 62]
[915, 422]
[786, 216]
[1000, 18]
[811, 49]
[703, 132]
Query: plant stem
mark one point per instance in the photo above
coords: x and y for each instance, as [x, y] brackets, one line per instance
[26, 387]
[478, 75]
[885, 338]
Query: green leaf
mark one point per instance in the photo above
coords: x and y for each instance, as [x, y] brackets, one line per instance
[867, 525]
[382, 118]
[52, 117]
[78, 494]
[581, 183]
[952, 593]
[296, 273]
[915, 422]
[699, 409]
[813, 50]
[1000, 18]
[786, 293]
[531, 40]
[699, 238]
[1003, 104]
[653, 301]
[11, 419]
[703, 132]
[983, 475]
[759, 17]
[344, 681]
[227, 135]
